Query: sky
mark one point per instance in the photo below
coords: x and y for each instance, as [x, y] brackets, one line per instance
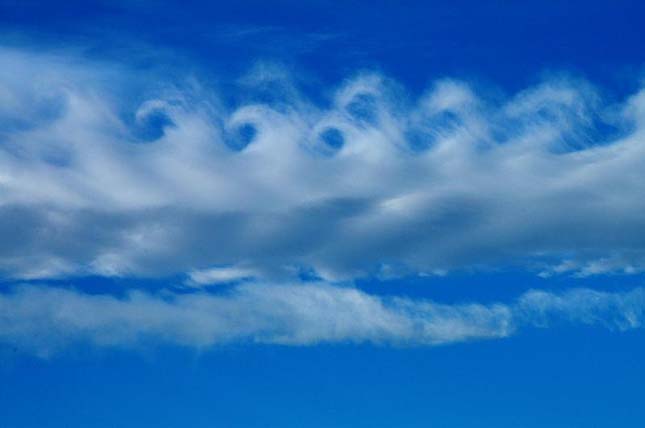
[322, 214]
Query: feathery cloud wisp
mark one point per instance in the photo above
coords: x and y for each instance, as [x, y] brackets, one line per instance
[45, 320]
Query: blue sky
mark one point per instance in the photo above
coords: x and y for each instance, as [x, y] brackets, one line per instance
[321, 214]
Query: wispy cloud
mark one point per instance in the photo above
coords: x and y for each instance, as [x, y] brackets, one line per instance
[102, 173]
[46, 320]
[219, 275]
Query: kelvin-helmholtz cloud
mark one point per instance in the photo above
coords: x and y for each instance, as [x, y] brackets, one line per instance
[106, 171]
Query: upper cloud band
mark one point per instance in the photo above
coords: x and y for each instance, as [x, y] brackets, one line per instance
[374, 182]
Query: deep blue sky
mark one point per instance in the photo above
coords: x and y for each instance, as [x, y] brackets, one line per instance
[566, 376]
[572, 379]
[505, 43]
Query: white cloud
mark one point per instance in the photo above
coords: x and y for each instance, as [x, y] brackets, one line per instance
[220, 275]
[103, 172]
[46, 320]
[628, 262]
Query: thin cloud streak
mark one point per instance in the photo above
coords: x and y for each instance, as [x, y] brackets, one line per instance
[46, 320]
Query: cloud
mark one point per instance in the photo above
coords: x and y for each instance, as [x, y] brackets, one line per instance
[46, 320]
[220, 275]
[104, 171]
[625, 263]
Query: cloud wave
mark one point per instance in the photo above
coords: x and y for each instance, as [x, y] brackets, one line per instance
[103, 173]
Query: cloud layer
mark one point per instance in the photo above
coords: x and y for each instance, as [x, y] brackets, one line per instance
[102, 173]
[105, 171]
[44, 320]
